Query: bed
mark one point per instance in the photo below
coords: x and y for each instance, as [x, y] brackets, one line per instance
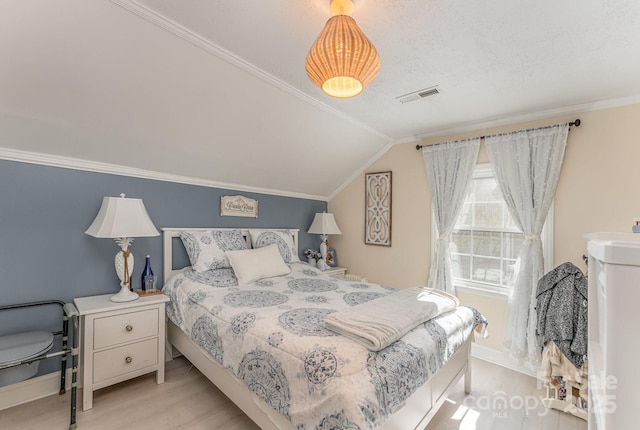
[264, 345]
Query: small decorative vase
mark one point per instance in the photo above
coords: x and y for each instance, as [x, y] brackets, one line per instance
[146, 272]
[321, 264]
[311, 261]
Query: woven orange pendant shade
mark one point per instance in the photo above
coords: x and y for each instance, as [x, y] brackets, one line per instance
[342, 61]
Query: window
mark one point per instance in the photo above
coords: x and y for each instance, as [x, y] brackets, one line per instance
[485, 242]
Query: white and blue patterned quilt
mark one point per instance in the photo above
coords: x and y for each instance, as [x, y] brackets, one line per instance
[271, 336]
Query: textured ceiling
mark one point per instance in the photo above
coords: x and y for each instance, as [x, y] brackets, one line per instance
[216, 90]
[490, 59]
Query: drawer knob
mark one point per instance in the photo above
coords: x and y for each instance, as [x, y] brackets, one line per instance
[128, 360]
[129, 327]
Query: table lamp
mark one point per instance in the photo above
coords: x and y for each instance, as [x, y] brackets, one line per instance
[123, 219]
[324, 224]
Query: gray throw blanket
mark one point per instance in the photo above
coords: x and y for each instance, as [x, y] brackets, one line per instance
[562, 311]
[380, 322]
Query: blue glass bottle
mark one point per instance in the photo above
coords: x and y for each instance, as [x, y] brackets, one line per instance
[146, 272]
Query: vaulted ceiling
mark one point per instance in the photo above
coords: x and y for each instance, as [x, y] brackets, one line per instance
[217, 90]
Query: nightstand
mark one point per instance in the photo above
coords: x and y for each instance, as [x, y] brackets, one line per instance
[335, 271]
[120, 341]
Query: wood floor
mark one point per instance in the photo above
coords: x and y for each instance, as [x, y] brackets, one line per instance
[188, 401]
[483, 409]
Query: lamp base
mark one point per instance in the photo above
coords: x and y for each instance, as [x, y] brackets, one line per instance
[124, 295]
[324, 247]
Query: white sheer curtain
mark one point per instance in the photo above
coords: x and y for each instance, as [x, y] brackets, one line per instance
[527, 167]
[449, 168]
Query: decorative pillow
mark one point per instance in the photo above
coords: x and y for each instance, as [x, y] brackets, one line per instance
[282, 238]
[252, 264]
[206, 248]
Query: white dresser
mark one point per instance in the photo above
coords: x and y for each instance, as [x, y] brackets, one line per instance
[614, 308]
[120, 341]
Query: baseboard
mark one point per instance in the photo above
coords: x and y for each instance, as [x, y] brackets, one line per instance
[32, 389]
[501, 359]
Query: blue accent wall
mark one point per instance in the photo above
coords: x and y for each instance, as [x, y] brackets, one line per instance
[44, 253]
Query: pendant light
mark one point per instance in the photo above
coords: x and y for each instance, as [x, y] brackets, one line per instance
[342, 61]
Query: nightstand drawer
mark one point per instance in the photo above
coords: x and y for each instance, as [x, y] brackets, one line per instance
[335, 271]
[117, 329]
[124, 359]
[120, 341]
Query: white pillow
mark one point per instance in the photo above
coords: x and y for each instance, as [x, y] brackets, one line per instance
[282, 238]
[206, 248]
[250, 265]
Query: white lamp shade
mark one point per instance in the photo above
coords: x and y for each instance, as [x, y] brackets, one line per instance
[122, 217]
[324, 223]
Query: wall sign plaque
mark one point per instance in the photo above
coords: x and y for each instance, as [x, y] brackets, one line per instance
[238, 206]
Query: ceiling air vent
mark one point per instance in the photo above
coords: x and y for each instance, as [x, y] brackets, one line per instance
[420, 94]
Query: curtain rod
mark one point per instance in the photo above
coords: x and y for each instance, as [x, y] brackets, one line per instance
[577, 123]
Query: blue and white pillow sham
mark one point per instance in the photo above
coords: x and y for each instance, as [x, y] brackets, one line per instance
[206, 248]
[282, 238]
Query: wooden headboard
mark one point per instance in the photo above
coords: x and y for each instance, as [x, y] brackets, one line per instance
[169, 233]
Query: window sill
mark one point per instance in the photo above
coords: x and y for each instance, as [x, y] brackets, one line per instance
[483, 292]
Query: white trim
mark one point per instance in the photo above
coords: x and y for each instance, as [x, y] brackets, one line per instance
[199, 41]
[485, 292]
[501, 359]
[535, 116]
[33, 389]
[361, 170]
[114, 169]
[483, 170]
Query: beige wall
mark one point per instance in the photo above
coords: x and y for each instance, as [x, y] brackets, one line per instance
[599, 190]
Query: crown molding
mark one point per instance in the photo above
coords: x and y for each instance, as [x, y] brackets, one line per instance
[550, 113]
[114, 169]
[202, 43]
[569, 110]
[361, 170]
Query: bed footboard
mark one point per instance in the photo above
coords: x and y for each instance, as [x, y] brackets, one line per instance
[418, 410]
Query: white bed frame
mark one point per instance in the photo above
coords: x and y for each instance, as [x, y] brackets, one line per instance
[416, 413]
